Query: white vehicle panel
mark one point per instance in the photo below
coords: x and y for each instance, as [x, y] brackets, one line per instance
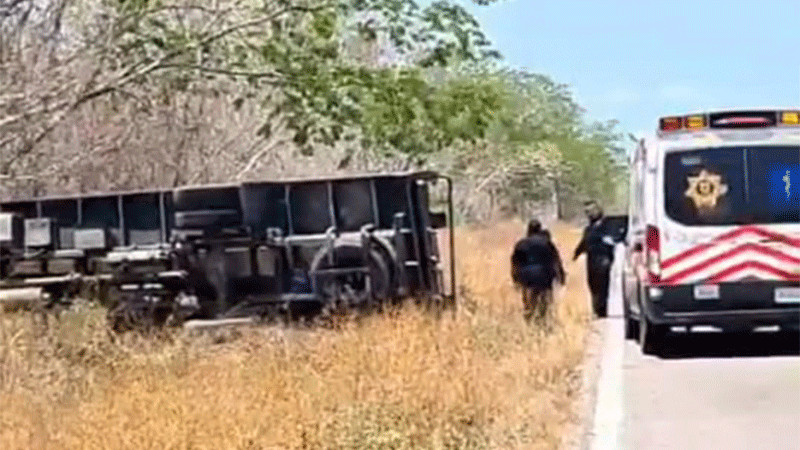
[731, 252]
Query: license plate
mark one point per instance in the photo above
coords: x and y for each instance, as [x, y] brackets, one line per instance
[787, 295]
[706, 292]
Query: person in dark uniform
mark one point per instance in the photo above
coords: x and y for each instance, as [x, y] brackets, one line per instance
[598, 244]
[535, 264]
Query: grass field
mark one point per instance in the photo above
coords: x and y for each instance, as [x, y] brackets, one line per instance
[481, 379]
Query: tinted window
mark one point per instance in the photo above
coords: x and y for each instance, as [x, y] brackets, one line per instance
[617, 226]
[722, 186]
[774, 181]
[705, 187]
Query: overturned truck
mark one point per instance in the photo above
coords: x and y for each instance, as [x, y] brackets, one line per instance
[253, 249]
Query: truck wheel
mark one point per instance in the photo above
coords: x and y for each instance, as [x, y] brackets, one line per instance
[212, 288]
[651, 336]
[353, 288]
[132, 314]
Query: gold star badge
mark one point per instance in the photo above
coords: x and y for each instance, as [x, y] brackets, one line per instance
[705, 189]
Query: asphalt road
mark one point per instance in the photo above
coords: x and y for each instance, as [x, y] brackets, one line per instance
[707, 391]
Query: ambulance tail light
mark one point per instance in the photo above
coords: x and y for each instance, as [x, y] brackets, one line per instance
[653, 247]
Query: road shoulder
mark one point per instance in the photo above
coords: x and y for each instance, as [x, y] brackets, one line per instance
[579, 436]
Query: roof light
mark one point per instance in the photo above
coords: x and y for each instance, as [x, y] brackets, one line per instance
[671, 123]
[730, 119]
[742, 121]
[790, 118]
[695, 122]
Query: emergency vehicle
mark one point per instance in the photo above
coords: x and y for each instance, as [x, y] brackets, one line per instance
[714, 225]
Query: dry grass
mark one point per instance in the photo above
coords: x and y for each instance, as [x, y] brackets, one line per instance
[482, 379]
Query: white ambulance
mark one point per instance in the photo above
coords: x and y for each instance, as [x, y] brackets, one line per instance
[714, 225]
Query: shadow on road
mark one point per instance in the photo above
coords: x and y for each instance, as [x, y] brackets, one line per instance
[718, 345]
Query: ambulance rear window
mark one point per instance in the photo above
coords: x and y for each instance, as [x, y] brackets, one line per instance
[705, 187]
[774, 184]
[733, 185]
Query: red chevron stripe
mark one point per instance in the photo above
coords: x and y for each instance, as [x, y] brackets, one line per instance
[759, 231]
[686, 254]
[750, 279]
[729, 236]
[729, 254]
[753, 265]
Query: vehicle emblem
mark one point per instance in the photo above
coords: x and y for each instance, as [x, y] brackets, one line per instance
[788, 184]
[705, 189]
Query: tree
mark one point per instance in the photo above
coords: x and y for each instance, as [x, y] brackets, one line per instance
[537, 150]
[140, 93]
[287, 59]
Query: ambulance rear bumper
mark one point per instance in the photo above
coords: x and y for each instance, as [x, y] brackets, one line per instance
[738, 306]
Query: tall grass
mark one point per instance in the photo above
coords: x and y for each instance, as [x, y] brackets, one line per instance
[481, 379]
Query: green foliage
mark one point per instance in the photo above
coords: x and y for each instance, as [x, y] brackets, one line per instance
[297, 47]
[391, 76]
[405, 112]
[538, 147]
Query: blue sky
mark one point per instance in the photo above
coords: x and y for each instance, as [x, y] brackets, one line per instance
[635, 61]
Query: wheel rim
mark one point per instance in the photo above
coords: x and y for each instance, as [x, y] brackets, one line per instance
[353, 289]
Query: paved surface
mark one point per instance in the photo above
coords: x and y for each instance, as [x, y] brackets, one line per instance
[707, 391]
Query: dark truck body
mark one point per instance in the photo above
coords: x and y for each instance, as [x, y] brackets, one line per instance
[232, 250]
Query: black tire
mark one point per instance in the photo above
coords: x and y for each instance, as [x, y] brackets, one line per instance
[599, 306]
[631, 329]
[212, 290]
[651, 336]
[631, 324]
[346, 255]
[132, 315]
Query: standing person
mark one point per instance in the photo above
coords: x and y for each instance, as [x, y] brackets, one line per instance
[598, 244]
[535, 263]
